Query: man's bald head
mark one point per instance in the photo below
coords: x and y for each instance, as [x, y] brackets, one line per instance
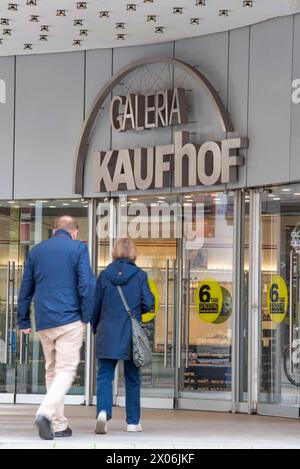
[69, 224]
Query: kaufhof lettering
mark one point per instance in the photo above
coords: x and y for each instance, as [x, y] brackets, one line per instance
[144, 168]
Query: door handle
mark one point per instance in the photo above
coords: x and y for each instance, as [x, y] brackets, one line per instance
[179, 317]
[12, 310]
[167, 314]
[187, 316]
[7, 314]
[173, 313]
[291, 310]
[21, 348]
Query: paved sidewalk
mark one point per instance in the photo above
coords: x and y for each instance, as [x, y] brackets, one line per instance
[162, 429]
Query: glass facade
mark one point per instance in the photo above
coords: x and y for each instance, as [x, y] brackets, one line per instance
[206, 319]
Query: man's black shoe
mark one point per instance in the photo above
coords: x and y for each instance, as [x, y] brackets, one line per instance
[64, 434]
[44, 427]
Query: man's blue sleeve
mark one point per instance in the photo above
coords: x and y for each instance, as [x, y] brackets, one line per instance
[25, 296]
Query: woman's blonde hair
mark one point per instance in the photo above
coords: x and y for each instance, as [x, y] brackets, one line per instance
[124, 249]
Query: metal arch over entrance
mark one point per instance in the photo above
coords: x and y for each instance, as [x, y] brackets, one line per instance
[82, 149]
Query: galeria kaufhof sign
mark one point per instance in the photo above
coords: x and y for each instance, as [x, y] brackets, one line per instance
[208, 164]
[186, 164]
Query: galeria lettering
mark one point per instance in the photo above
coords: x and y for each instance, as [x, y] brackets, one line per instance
[144, 168]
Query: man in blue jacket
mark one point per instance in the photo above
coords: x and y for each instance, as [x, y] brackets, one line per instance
[58, 275]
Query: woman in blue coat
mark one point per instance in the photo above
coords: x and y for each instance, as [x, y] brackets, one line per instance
[112, 325]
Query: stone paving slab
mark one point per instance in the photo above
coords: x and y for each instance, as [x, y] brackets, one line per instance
[162, 430]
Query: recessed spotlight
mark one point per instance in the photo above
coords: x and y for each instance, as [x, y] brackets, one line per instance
[81, 5]
[200, 3]
[77, 42]
[34, 18]
[148, 1]
[61, 13]
[83, 32]
[248, 4]
[12, 7]
[6, 32]
[151, 18]
[195, 21]
[160, 29]
[4, 21]
[31, 3]
[27, 46]
[224, 13]
[120, 37]
[120, 26]
[131, 7]
[104, 14]
[43, 37]
[177, 11]
[44, 28]
[78, 22]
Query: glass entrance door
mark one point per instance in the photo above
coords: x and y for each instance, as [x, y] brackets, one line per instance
[205, 325]
[9, 249]
[22, 365]
[279, 339]
[151, 223]
[185, 244]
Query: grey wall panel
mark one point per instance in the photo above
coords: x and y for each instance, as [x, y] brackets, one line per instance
[125, 55]
[7, 74]
[270, 102]
[49, 116]
[295, 130]
[98, 73]
[238, 83]
[210, 54]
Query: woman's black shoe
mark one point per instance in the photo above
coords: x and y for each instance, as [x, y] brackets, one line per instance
[65, 434]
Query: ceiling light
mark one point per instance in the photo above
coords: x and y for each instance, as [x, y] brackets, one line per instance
[120, 37]
[104, 14]
[34, 18]
[160, 29]
[131, 7]
[200, 3]
[61, 13]
[248, 4]
[44, 28]
[151, 18]
[224, 13]
[43, 37]
[195, 21]
[28, 46]
[31, 3]
[77, 42]
[120, 26]
[83, 32]
[148, 1]
[6, 32]
[78, 22]
[52, 206]
[81, 5]
[4, 21]
[13, 7]
[177, 11]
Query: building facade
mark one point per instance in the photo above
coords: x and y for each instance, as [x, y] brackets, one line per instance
[202, 133]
